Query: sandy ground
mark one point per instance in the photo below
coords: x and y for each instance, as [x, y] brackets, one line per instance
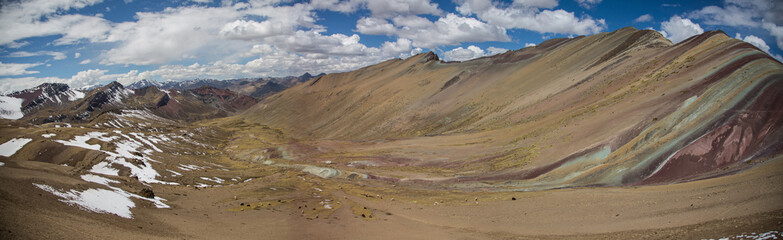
[751, 201]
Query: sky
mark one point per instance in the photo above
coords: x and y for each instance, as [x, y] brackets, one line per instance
[88, 42]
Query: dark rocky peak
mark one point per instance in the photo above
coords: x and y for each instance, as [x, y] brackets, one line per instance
[46, 94]
[49, 88]
[113, 92]
[429, 56]
[114, 86]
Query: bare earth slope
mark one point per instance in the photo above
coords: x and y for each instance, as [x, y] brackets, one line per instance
[610, 109]
[618, 135]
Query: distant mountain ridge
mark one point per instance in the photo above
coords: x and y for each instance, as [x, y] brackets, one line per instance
[254, 87]
[172, 99]
[144, 83]
[58, 103]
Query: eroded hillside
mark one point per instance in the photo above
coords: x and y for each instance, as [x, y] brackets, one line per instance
[619, 108]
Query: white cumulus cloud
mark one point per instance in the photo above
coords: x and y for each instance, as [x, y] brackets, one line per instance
[248, 30]
[733, 13]
[764, 14]
[380, 8]
[171, 35]
[536, 3]
[495, 50]
[755, 41]
[677, 29]
[588, 3]
[448, 30]
[471, 52]
[644, 18]
[38, 18]
[13, 69]
[375, 26]
[531, 18]
[390, 8]
[55, 55]
[463, 54]
[776, 31]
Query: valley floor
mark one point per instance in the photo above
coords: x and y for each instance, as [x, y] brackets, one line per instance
[224, 194]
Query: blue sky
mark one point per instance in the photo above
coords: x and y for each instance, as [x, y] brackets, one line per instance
[87, 42]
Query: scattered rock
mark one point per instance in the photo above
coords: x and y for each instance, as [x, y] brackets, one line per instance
[147, 193]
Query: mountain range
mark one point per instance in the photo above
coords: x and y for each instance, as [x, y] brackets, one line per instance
[254, 87]
[612, 109]
[617, 135]
[188, 100]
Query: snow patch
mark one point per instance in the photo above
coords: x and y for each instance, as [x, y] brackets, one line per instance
[757, 236]
[120, 94]
[81, 141]
[95, 200]
[144, 115]
[11, 107]
[214, 179]
[124, 150]
[98, 179]
[190, 167]
[115, 201]
[9, 148]
[105, 169]
[48, 135]
[141, 137]
[2, 164]
[144, 171]
[74, 95]
[175, 173]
